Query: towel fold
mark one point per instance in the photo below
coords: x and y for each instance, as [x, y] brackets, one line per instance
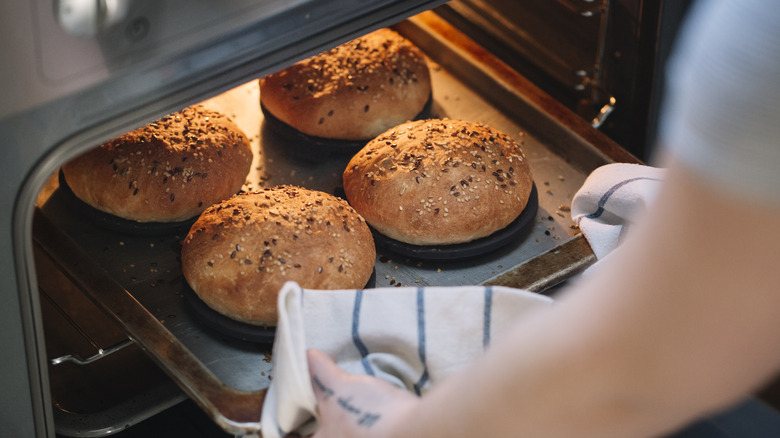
[609, 201]
[411, 337]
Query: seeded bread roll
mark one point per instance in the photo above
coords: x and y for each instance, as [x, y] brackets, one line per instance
[353, 92]
[439, 182]
[239, 253]
[167, 171]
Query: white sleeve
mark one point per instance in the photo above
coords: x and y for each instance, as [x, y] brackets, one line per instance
[721, 115]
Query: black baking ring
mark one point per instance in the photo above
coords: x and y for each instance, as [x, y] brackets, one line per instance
[118, 224]
[227, 326]
[224, 325]
[468, 250]
[316, 148]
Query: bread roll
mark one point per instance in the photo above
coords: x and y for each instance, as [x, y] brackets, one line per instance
[239, 253]
[352, 92]
[167, 171]
[439, 182]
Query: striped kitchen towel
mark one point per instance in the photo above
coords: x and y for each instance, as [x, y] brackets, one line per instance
[410, 336]
[611, 198]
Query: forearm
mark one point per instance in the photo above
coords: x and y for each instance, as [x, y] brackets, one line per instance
[626, 352]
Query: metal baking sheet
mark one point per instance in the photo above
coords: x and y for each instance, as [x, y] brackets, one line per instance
[138, 280]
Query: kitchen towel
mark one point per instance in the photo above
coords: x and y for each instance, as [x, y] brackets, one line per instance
[409, 336]
[610, 199]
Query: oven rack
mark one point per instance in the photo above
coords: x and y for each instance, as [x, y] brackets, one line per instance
[100, 381]
[136, 280]
[235, 410]
[76, 358]
[99, 354]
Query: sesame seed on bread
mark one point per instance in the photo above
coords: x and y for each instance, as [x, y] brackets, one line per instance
[352, 92]
[240, 252]
[166, 171]
[439, 182]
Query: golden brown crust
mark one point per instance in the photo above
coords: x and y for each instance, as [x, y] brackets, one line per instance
[167, 171]
[239, 253]
[438, 182]
[352, 92]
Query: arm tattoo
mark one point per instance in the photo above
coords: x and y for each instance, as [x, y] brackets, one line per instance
[364, 418]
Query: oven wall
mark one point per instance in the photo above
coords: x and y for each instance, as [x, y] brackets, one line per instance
[583, 53]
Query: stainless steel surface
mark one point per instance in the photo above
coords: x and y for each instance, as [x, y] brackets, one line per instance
[138, 280]
[550, 268]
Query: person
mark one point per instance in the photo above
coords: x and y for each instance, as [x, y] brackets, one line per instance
[683, 324]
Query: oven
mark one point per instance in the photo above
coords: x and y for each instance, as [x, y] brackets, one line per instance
[97, 335]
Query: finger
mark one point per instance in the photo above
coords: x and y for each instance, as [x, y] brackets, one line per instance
[323, 371]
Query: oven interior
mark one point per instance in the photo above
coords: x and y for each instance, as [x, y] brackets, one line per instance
[122, 344]
[602, 59]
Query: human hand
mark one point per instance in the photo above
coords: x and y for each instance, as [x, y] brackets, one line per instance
[355, 405]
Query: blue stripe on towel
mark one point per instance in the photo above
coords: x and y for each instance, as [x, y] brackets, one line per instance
[605, 197]
[421, 339]
[486, 316]
[361, 347]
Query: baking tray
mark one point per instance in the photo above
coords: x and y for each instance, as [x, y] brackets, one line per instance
[137, 280]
